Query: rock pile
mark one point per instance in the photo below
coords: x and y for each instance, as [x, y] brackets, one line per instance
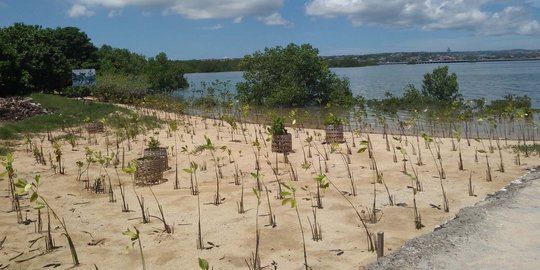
[18, 108]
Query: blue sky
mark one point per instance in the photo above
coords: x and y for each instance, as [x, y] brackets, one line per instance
[195, 29]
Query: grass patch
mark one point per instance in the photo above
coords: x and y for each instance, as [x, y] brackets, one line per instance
[4, 150]
[65, 112]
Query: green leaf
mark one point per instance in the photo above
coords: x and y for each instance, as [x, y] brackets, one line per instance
[427, 137]
[188, 170]
[286, 201]
[39, 205]
[34, 197]
[21, 184]
[203, 264]
[258, 195]
[361, 150]
[285, 194]
[9, 157]
[403, 151]
[320, 177]
[132, 235]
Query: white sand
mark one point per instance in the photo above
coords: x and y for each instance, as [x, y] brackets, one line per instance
[90, 217]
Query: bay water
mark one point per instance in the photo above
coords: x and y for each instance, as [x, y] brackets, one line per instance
[489, 80]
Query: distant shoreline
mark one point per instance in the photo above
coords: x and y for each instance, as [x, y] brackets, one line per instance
[460, 61]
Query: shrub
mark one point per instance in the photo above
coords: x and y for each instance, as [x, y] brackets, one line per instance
[332, 119]
[277, 127]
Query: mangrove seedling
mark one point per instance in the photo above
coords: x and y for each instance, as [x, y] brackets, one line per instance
[471, 187]
[371, 245]
[40, 202]
[240, 204]
[316, 228]
[254, 262]
[12, 175]
[134, 236]
[457, 135]
[58, 154]
[429, 140]
[277, 127]
[200, 243]
[153, 143]
[349, 174]
[322, 183]
[192, 170]
[125, 205]
[332, 119]
[417, 217]
[173, 126]
[488, 167]
[167, 228]
[131, 169]
[272, 218]
[289, 197]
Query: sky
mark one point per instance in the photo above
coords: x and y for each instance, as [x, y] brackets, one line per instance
[203, 29]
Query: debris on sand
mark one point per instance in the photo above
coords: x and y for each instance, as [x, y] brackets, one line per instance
[19, 108]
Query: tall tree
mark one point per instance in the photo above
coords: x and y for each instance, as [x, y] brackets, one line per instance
[10, 73]
[440, 85]
[120, 61]
[292, 76]
[41, 59]
[164, 75]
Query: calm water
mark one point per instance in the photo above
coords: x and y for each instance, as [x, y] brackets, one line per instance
[476, 80]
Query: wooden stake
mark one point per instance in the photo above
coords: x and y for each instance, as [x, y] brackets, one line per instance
[380, 244]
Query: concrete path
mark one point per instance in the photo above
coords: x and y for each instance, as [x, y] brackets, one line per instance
[502, 232]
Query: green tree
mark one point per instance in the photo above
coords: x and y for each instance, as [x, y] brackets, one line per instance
[11, 76]
[120, 61]
[291, 76]
[440, 85]
[37, 59]
[164, 75]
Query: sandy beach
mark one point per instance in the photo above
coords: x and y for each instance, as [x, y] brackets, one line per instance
[96, 225]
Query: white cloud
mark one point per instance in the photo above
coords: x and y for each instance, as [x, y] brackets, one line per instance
[238, 19]
[79, 11]
[115, 13]
[470, 15]
[194, 9]
[274, 19]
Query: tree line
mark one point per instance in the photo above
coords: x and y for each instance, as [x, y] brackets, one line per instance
[37, 59]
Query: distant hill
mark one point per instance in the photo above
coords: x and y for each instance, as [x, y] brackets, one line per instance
[233, 64]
